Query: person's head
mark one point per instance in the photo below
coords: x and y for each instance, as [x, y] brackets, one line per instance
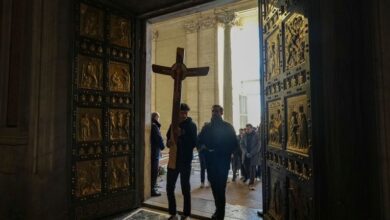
[249, 128]
[216, 111]
[184, 109]
[155, 116]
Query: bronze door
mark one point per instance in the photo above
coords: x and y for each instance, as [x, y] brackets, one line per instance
[102, 153]
[288, 165]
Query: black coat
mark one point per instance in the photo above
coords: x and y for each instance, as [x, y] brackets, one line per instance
[219, 136]
[186, 142]
[156, 140]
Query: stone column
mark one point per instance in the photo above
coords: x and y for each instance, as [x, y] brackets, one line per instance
[227, 19]
[153, 86]
[208, 85]
[190, 93]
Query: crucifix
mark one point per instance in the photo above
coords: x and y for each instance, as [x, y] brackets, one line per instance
[178, 72]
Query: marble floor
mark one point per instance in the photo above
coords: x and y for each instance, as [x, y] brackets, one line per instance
[242, 203]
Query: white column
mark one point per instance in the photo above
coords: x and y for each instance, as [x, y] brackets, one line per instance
[190, 84]
[227, 19]
[207, 53]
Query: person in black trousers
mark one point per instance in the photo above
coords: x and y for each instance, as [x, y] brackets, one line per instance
[220, 140]
[157, 144]
[185, 146]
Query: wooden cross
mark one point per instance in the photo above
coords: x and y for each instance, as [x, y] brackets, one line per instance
[178, 72]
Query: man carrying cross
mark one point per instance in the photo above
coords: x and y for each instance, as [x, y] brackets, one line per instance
[185, 147]
[181, 135]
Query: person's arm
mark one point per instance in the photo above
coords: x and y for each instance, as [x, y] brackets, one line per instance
[169, 137]
[194, 136]
[201, 137]
[256, 147]
[242, 145]
[159, 140]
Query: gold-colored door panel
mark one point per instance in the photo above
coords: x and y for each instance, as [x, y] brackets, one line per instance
[119, 33]
[119, 77]
[89, 124]
[90, 73]
[91, 22]
[119, 124]
[288, 164]
[88, 177]
[297, 125]
[296, 37]
[103, 172]
[275, 123]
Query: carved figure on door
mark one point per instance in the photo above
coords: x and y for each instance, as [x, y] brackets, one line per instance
[302, 124]
[293, 136]
[295, 41]
[85, 127]
[91, 24]
[119, 79]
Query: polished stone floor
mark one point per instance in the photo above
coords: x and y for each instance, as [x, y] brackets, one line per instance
[242, 203]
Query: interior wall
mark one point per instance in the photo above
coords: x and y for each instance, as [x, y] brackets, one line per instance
[199, 41]
[15, 66]
[382, 56]
[348, 121]
[46, 162]
[33, 150]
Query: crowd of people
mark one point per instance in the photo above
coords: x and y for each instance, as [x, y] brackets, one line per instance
[219, 148]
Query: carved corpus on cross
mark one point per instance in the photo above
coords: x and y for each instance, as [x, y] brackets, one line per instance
[178, 72]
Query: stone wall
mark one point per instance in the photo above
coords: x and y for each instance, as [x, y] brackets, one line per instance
[197, 34]
[36, 65]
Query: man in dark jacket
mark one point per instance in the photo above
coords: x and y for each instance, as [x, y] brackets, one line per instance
[185, 147]
[251, 151]
[157, 144]
[220, 140]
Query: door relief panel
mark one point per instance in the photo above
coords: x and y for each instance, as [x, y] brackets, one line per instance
[91, 22]
[296, 41]
[286, 82]
[273, 64]
[297, 124]
[103, 152]
[275, 120]
[88, 178]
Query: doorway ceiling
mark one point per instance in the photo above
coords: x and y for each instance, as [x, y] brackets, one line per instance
[140, 7]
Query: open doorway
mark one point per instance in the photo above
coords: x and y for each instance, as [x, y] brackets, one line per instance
[203, 35]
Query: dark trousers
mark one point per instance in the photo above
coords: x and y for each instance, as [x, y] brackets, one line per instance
[217, 174]
[258, 172]
[247, 165]
[252, 175]
[202, 161]
[154, 173]
[243, 170]
[185, 189]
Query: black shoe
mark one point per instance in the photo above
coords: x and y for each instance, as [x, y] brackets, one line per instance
[155, 193]
[173, 217]
[260, 213]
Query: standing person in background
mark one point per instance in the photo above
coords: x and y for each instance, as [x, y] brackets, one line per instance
[220, 141]
[185, 146]
[236, 159]
[244, 174]
[251, 150]
[202, 160]
[157, 145]
[260, 154]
